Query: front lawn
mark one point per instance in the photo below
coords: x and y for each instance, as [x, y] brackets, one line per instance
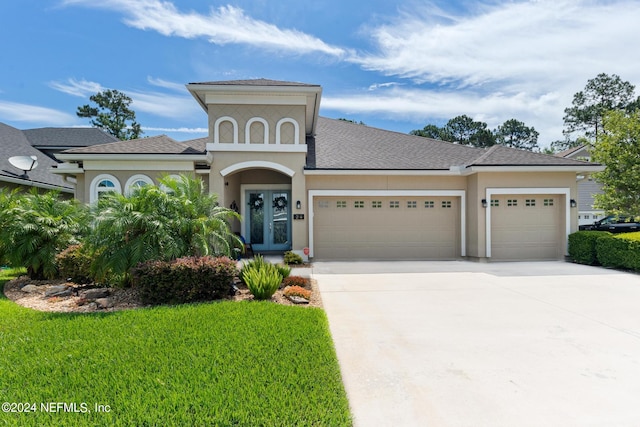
[215, 364]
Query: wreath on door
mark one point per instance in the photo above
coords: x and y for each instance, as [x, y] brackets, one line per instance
[256, 202]
[280, 203]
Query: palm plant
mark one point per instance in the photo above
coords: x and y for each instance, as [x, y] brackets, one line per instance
[163, 222]
[35, 227]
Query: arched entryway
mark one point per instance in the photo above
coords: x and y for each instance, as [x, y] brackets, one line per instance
[261, 193]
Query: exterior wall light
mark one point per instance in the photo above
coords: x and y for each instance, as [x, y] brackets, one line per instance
[298, 205]
[573, 203]
[484, 203]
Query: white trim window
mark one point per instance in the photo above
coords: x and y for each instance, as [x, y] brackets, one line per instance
[135, 182]
[104, 183]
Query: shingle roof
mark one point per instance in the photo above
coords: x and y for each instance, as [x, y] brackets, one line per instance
[254, 82]
[339, 144]
[161, 144]
[13, 142]
[499, 155]
[67, 137]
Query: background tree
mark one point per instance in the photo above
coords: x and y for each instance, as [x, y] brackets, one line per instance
[112, 114]
[619, 150]
[352, 121]
[464, 130]
[602, 94]
[429, 131]
[516, 134]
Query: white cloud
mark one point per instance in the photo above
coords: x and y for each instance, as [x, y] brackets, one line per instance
[79, 88]
[501, 60]
[13, 111]
[426, 106]
[224, 25]
[178, 87]
[164, 105]
[157, 103]
[543, 41]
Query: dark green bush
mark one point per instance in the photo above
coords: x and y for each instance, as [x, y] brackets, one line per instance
[620, 251]
[632, 257]
[188, 279]
[292, 258]
[75, 263]
[582, 246]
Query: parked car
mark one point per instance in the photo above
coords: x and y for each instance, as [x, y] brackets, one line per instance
[614, 224]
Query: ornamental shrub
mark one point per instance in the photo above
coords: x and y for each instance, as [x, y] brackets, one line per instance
[300, 281]
[75, 263]
[297, 291]
[263, 282]
[582, 246]
[284, 270]
[188, 279]
[292, 258]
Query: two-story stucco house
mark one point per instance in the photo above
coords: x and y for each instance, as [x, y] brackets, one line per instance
[348, 191]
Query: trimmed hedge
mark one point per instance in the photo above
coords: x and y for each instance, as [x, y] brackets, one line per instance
[582, 246]
[619, 251]
[609, 250]
[188, 279]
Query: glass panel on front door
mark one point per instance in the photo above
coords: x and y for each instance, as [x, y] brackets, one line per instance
[269, 220]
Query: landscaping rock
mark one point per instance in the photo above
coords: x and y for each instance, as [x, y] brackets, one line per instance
[92, 294]
[103, 303]
[30, 288]
[57, 291]
[297, 300]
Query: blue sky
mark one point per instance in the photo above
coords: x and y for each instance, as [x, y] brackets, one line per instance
[394, 64]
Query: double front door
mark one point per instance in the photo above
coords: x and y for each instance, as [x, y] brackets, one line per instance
[269, 220]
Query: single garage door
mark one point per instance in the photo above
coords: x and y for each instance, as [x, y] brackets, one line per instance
[386, 228]
[527, 227]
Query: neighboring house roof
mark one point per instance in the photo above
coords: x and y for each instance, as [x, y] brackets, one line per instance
[64, 138]
[13, 142]
[580, 151]
[254, 82]
[340, 144]
[161, 144]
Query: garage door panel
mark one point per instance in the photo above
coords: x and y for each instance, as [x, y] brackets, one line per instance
[526, 227]
[386, 228]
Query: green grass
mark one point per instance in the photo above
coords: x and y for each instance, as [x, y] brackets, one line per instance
[217, 364]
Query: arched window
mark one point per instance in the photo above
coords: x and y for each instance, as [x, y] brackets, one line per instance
[225, 129]
[252, 131]
[102, 184]
[136, 181]
[290, 135]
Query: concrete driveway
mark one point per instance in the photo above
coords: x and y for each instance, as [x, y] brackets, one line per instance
[499, 344]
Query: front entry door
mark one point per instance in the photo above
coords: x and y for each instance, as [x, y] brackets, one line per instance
[269, 220]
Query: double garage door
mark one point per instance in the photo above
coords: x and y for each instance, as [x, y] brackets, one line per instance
[386, 228]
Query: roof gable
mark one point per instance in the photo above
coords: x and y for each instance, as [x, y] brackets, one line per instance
[161, 144]
[67, 137]
[255, 82]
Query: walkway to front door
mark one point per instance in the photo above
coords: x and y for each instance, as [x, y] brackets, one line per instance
[269, 220]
